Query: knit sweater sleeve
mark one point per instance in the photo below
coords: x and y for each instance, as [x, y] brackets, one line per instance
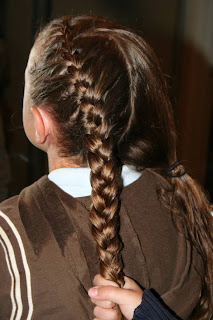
[151, 309]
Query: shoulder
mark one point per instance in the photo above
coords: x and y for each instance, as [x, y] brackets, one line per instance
[142, 202]
[9, 209]
[15, 255]
[9, 204]
[13, 233]
[10, 217]
[174, 268]
[148, 184]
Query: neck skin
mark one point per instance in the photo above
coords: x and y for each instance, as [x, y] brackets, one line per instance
[56, 162]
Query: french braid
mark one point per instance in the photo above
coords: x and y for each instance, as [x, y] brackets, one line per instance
[105, 171]
[105, 190]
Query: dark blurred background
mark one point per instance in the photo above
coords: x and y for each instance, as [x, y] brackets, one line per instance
[181, 33]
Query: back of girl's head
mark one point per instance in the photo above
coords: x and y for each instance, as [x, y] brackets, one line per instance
[103, 87]
[90, 70]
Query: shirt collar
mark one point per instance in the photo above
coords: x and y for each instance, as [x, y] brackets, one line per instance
[76, 181]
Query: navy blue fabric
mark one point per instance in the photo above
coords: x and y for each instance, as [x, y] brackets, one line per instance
[151, 309]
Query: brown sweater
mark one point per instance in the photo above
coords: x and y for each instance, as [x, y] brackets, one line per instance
[48, 256]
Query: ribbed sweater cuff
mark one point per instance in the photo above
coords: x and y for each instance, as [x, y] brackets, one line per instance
[151, 309]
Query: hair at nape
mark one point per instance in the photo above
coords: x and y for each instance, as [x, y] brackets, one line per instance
[103, 85]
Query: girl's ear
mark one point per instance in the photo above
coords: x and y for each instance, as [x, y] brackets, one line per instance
[41, 124]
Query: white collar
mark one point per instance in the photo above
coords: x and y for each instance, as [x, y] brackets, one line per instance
[76, 181]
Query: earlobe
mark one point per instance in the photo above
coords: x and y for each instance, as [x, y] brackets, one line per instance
[41, 125]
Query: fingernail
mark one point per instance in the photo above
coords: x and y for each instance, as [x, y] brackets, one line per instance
[93, 292]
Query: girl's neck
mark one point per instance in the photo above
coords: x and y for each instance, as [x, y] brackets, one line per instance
[55, 161]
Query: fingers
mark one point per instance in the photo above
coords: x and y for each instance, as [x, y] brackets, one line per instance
[131, 284]
[108, 293]
[93, 292]
[105, 314]
[100, 281]
[104, 304]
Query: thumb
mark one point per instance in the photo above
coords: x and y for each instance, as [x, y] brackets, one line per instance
[113, 294]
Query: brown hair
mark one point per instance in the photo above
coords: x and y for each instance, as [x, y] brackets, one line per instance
[103, 85]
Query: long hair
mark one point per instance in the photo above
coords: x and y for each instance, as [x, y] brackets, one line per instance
[104, 88]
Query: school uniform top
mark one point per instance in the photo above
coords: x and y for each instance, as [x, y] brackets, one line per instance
[48, 256]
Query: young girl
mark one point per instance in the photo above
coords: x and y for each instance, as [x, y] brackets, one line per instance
[96, 102]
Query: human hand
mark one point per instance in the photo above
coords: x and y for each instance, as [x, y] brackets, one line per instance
[106, 294]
